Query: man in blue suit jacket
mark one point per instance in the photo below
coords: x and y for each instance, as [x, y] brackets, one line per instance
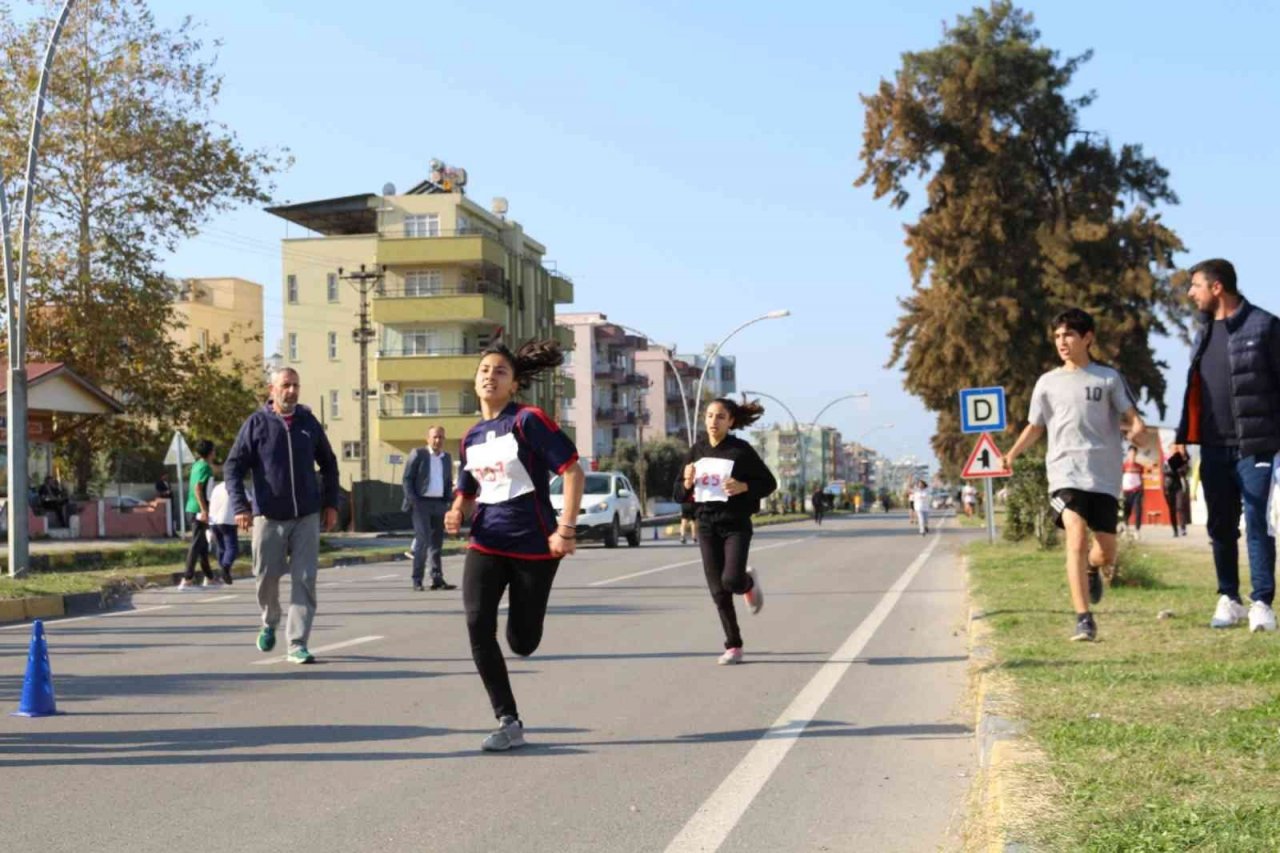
[428, 492]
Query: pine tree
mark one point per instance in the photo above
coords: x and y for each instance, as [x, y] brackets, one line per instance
[1026, 213]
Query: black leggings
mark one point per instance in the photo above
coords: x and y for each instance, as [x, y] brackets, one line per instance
[484, 578]
[1133, 505]
[724, 543]
[199, 549]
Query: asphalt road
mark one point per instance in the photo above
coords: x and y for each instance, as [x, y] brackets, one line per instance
[845, 729]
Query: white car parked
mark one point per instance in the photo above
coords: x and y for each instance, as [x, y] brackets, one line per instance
[610, 508]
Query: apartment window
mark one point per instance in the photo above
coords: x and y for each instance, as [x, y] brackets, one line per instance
[291, 289]
[204, 340]
[331, 286]
[333, 346]
[335, 409]
[419, 342]
[468, 403]
[350, 450]
[293, 346]
[423, 283]
[421, 401]
[464, 224]
[424, 225]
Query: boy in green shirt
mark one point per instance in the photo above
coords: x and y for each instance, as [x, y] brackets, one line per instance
[198, 513]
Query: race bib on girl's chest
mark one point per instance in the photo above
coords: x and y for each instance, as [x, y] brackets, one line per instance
[496, 466]
[708, 479]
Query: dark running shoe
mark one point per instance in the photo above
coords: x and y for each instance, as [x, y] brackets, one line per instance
[442, 585]
[1095, 585]
[1086, 630]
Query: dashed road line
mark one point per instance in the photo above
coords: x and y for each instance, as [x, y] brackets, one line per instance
[329, 648]
[696, 562]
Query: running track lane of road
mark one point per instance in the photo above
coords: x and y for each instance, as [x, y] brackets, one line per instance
[845, 729]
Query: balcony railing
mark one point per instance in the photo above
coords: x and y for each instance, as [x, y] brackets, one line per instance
[410, 352]
[606, 371]
[411, 411]
[466, 288]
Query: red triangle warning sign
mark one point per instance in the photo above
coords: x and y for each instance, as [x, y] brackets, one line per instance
[984, 461]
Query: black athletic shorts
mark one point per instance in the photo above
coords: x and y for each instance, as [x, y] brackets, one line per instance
[1099, 511]
[689, 511]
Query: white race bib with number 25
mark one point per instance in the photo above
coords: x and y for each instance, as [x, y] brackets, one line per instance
[497, 468]
[708, 479]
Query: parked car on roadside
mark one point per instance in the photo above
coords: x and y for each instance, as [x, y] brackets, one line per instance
[610, 508]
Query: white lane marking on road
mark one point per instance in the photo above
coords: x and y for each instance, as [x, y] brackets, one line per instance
[329, 648]
[386, 577]
[214, 599]
[716, 818]
[93, 616]
[697, 562]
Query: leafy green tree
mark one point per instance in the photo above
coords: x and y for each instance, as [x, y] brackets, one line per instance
[660, 462]
[1026, 213]
[131, 163]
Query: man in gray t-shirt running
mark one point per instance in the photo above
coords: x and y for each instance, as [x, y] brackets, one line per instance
[1086, 409]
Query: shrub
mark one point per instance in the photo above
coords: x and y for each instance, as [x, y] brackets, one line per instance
[1027, 510]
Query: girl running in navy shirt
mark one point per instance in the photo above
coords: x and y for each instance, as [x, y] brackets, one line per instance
[516, 544]
[728, 479]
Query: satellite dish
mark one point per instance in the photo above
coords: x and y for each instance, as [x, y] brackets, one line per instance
[499, 206]
[388, 188]
[459, 177]
[436, 165]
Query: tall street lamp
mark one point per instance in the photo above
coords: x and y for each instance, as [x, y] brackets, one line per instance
[675, 371]
[697, 397]
[795, 424]
[16, 305]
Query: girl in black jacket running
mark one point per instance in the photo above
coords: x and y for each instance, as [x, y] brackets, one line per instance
[728, 479]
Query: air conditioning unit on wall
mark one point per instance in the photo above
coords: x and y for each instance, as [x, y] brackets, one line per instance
[390, 387]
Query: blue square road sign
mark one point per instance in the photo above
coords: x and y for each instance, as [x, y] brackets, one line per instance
[982, 410]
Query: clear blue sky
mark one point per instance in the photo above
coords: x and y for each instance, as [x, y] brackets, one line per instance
[691, 164]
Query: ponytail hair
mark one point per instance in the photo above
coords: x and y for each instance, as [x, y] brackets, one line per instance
[742, 414]
[530, 359]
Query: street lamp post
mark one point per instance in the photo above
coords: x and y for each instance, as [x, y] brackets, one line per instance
[684, 399]
[800, 435]
[795, 425]
[697, 397]
[16, 305]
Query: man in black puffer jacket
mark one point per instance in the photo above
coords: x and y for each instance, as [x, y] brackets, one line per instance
[1232, 410]
[280, 446]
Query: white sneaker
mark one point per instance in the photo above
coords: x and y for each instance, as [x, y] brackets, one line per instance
[1229, 613]
[755, 595]
[1261, 617]
[730, 656]
[185, 584]
[208, 582]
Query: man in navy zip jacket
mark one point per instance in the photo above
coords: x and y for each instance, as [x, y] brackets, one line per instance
[281, 445]
[1232, 410]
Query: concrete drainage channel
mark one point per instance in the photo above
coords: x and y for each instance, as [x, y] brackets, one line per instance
[1000, 741]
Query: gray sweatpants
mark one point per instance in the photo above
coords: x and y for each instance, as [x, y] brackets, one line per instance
[292, 546]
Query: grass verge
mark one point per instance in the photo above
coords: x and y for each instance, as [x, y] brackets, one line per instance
[1162, 736]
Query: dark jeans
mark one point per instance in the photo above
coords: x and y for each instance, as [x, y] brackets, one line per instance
[228, 542]
[1133, 502]
[199, 549]
[1232, 482]
[484, 578]
[428, 534]
[724, 542]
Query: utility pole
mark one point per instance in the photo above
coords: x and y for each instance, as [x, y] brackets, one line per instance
[364, 282]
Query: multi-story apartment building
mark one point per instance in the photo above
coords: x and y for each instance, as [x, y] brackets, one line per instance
[226, 312]
[781, 449]
[722, 374]
[443, 277]
[608, 403]
[665, 400]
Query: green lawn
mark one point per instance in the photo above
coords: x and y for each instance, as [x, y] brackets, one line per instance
[1162, 736]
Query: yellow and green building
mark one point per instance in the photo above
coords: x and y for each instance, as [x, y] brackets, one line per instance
[448, 277]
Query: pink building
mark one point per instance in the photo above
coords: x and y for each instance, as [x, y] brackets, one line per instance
[609, 391]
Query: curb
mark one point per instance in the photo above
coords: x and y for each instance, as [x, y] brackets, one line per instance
[999, 739]
[112, 596]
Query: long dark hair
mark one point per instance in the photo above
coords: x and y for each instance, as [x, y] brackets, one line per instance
[530, 359]
[742, 414]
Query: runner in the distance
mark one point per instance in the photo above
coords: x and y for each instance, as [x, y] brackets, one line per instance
[516, 545]
[1087, 410]
[729, 479]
